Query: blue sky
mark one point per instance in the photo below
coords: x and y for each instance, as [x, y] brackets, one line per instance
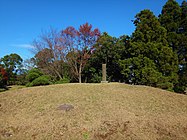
[23, 20]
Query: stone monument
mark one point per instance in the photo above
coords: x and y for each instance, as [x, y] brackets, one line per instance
[104, 74]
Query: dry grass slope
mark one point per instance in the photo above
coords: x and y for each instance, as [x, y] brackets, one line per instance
[100, 112]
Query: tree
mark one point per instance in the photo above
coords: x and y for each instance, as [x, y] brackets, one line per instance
[80, 46]
[170, 19]
[140, 70]
[182, 52]
[183, 32]
[50, 53]
[149, 59]
[12, 64]
[57, 52]
[183, 24]
[174, 19]
[3, 77]
[30, 63]
[107, 50]
[69, 39]
[170, 16]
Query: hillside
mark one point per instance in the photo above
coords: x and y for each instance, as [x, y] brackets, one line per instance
[99, 112]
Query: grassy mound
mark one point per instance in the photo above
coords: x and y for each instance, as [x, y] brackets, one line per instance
[99, 111]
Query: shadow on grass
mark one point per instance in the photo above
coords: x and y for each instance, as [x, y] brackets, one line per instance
[13, 87]
[4, 88]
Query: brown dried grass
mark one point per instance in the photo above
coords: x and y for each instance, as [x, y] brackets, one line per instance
[101, 112]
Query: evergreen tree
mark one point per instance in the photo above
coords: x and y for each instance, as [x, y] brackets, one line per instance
[108, 50]
[174, 19]
[170, 16]
[151, 61]
[183, 50]
[183, 25]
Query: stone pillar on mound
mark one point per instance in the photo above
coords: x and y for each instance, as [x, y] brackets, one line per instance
[104, 74]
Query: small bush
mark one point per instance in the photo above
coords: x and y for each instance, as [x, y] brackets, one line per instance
[29, 85]
[42, 80]
[166, 86]
[35, 70]
[48, 77]
[179, 88]
[63, 81]
[96, 78]
[31, 76]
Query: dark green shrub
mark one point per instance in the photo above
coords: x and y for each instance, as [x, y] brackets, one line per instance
[179, 88]
[63, 81]
[35, 70]
[48, 77]
[31, 76]
[166, 86]
[29, 85]
[42, 80]
[96, 78]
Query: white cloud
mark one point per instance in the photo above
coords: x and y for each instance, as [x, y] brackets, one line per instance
[28, 46]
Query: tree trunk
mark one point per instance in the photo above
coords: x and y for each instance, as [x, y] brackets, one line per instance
[79, 77]
[103, 72]
[80, 74]
[58, 74]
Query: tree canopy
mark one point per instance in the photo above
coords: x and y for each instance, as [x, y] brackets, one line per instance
[174, 19]
[151, 61]
[12, 64]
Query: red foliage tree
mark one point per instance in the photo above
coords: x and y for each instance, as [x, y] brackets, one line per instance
[3, 77]
[79, 44]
